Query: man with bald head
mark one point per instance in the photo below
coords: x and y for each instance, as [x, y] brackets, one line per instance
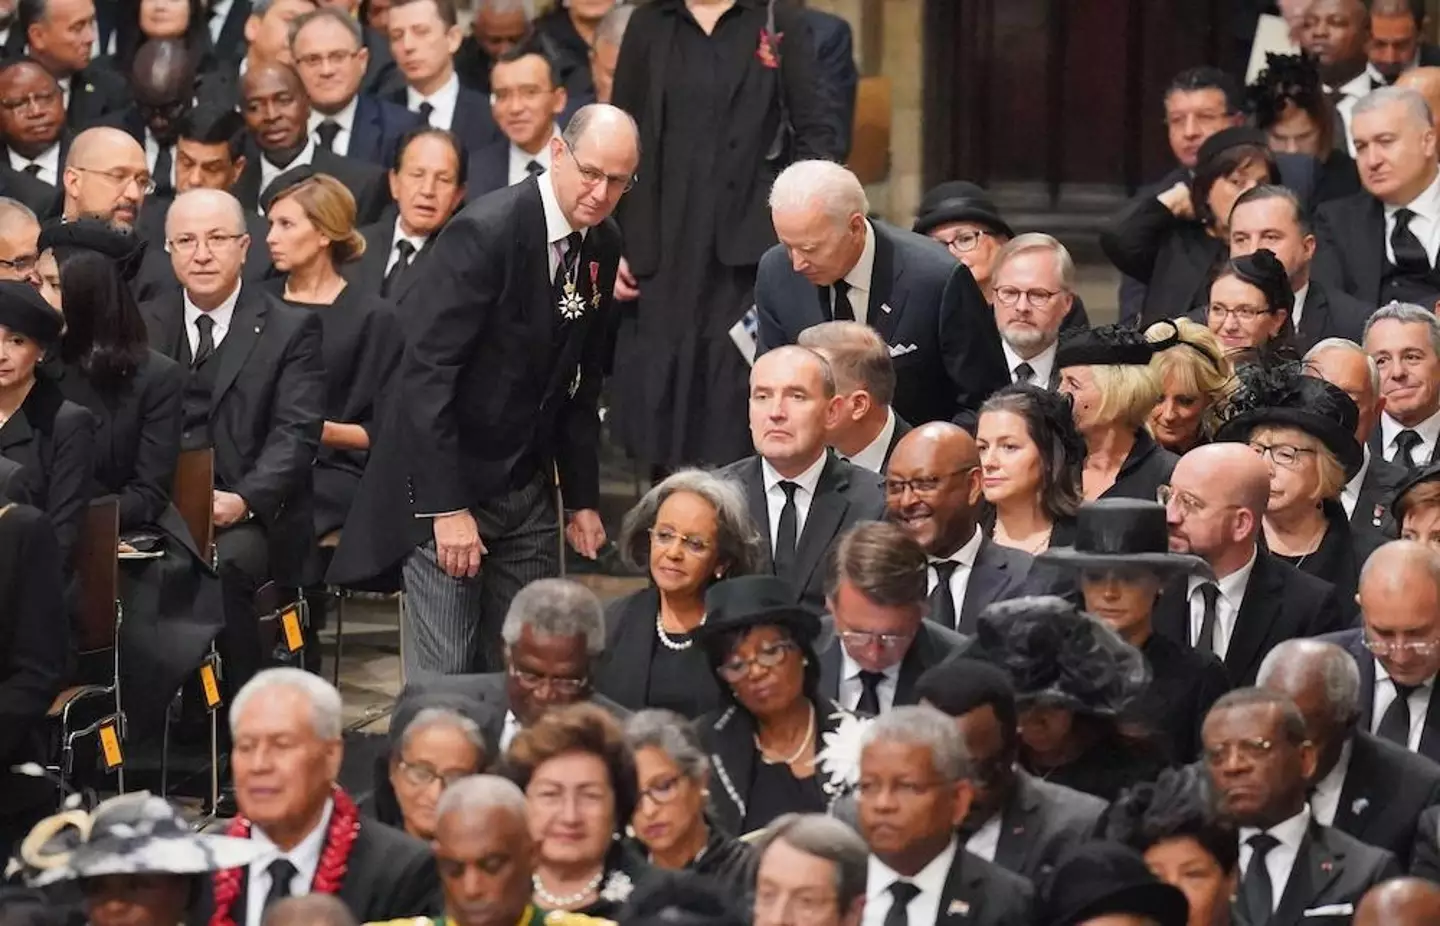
[1400, 902]
[1214, 505]
[1397, 646]
[484, 852]
[932, 491]
[1363, 785]
[256, 395]
[1426, 82]
[163, 81]
[498, 394]
[106, 177]
[19, 232]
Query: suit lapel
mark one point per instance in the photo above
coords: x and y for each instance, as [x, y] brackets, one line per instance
[1367, 251]
[1314, 870]
[1353, 803]
[1013, 847]
[989, 577]
[885, 287]
[1366, 662]
[1315, 320]
[831, 662]
[1430, 738]
[245, 327]
[754, 480]
[960, 900]
[1172, 612]
[1256, 618]
[247, 188]
[917, 660]
[822, 523]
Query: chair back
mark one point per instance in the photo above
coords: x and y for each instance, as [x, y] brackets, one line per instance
[98, 570]
[870, 138]
[192, 494]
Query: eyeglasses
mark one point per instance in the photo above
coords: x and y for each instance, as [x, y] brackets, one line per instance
[1252, 750]
[1188, 504]
[121, 178]
[665, 538]
[214, 242]
[1396, 647]
[963, 243]
[663, 791]
[1242, 313]
[767, 657]
[923, 485]
[568, 686]
[22, 264]
[1285, 455]
[423, 776]
[594, 175]
[334, 58]
[1038, 298]
[526, 94]
[886, 641]
[36, 100]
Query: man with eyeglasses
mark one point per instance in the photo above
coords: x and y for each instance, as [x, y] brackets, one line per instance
[19, 231]
[932, 492]
[381, 74]
[875, 593]
[1214, 507]
[527, 104]
[1262, 764]
[328, 48]
[1033, 294]
[106, 177]
[32, 127]
[809, 871]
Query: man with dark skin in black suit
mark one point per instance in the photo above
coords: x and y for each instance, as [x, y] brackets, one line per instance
[162, 80]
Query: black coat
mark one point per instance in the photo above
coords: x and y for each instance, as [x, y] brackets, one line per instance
[1280, 603]
[379, 125]
[1350, 246]
[845, 495]
[925, 304]
[1385, 791]
[368, 183]
[472, 123]
[1146, 468]
[53, 440]
[232, 46]
[932, 645]
[1173, 257]
[743, 229]
[1377, 491]
[40, 197]
[494, 384]
[981, 893]
[1184, 683]
[631, 645]
[1000, 573]
[96, 92]
[1353, 641]
[1425, 855]
[368, 273]
[1040, 821]
[1330, 313]
[489, 169]
[266, 413]
[1331, 870]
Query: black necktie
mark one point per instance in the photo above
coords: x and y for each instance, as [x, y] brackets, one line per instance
[901, 893]
[327, 131]
[1210, 592]
[869, 703]
[842, 311]
[534, 167]
[425, 112]
[942, 601]
[281, 874]
[32, 169]
[787, 534]
[1024, 372]
[569, 257]
[1405, 443]
[1395, 725]
[1257, 894]
[205, 325]
[1410, 256]
[162, 171]
[406, 250]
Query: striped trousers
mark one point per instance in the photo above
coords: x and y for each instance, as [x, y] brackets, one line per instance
[453, 625]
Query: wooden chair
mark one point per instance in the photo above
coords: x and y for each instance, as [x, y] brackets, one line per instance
[870, 142]
[191, 494]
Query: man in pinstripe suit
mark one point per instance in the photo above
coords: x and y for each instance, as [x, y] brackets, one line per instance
[498, 393]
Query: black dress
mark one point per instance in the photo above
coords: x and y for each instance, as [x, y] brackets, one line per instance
[1106, 768]
[775, 791]
[1146, 468]
[1184, 683]
[1340, 556]
[637, 671]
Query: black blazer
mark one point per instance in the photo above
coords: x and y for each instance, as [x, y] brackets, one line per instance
[1040, 821]
[1280, 603]
[382, 74]
[472, 123]
[1330, 313]
[981, 893]
[53, 440]
[1354, 642]
[232, 46]
[266, 413]
[379, 125]
[1331, 870]
[40, 197]
[1377, 491]
[844, 496]
[1386, 789]
[368, 273]
[1000, 573]
[1350, 246]
[489, 169]
[925, 304]
[835, 71]
[1173, 257]
[902, 427]
[642, 81]
[368, 183]
[494, 385]
[932, 645]
[96, 92]
[623, 673]
[1425, 856]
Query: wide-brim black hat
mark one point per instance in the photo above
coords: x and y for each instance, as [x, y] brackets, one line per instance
[1097, 878]
[959, 201]
[1115, 533]
[1285, 395]
[754, 601]
[24, 311]
[1414, 478]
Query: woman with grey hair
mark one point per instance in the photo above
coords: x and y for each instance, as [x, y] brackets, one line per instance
[688, 532]
[670, 822]
[435, 739]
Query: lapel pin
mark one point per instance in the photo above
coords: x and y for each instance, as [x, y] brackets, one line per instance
[1018, 829]
[1361, 803]
[958, 908]
[257, 329]
[89, 88]
[1327, 866]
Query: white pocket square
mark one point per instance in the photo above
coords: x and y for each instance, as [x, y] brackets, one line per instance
[900, 350]
[1334, 909]
[885, 307]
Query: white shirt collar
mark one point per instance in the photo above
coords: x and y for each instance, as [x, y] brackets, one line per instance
[345, 118]
[1232, 587]
[305, 857]
[1426, 205]
[1357, 86]
[1290, 832]
[850, 669]
[1429, 430]
[807, 481]
[1325, 796]
[443, 100]
[1042, 363]
[520, 160]
[268, 171]
[49, 161]
[557, 227]
[873, 456]
[418, 241]
[930, 879]
[1297, 310]
[221, 314]
[861, 274]
[307, 848]
[965, 556]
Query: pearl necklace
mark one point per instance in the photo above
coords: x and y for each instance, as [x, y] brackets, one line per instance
[669, 642]
[794, 756]
[554, 902]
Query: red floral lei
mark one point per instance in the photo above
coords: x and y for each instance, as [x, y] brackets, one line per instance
[334, 857]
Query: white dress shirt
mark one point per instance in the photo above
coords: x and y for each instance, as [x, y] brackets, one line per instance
[1325, 796]
[152, 153]
[64, 83]
[557, 227]
[48, 161]
[1350, 495]
[1298, 308]
[520, 159]
[221, 315]
[1042, 363]
[873, 456]
[219, 12]
[1351, 92]
[509, 731]
[1280, 859]
[444, 100]
[305, 857]
[1425, 224]
[775, 496]
[268, 171]
[851, 688]
[960, 578]
[345, 119]
[416, 241]
[1385, 696]
[1227, 605]
[1429, 431]
[986, 841]
[924, 908]
[860, 278]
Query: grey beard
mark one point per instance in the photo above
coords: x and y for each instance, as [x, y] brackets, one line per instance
[1028, 341]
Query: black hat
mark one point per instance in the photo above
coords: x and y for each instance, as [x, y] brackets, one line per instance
[1109, 345]
[120, 245]
[1118, 532]
[1098, 878]
[1264, 271]
[750, 601]
[1284, 395]
[959, 201]
[1233, 137]
[1414, 478]
[289, 179]
[24, 311]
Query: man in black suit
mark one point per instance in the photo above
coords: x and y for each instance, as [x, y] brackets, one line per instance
[1363, 785]
[277, 113]
[289, 798]
[498, 393]
[1367, 496]
[256, 395]
[226, 24]
[1396, 646]
[919, 870]
[60, 36]
[941, 333]
[497, 27]
[526, 103]
[32, 127]
[881, 644]
[19, 233]
[1294, 869]
[1214, 505]
[428, 184]
[1404, 341]
[1019, 822]
[1271, 217]
[932, 490]
[424, 36]
[802, 496]
[330, 56]
[867, 428]
[163, 80]
[1033, 287]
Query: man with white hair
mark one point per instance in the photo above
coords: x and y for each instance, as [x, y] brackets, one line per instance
[1404, 340]
[835, 264]
[484, 853]
[285, 728]
[19, 232]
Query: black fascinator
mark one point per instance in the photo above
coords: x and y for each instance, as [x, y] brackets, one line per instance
[1287, 80]
[122, 246]
[1109, 345]
[1264, 271]
[1282, 394]
[1179, 803]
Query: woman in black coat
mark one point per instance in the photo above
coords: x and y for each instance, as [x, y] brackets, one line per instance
[709, 84]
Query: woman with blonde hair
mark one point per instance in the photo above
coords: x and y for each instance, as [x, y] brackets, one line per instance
[1195, 380]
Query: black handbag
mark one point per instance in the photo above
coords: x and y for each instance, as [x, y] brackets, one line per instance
[782, 148]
